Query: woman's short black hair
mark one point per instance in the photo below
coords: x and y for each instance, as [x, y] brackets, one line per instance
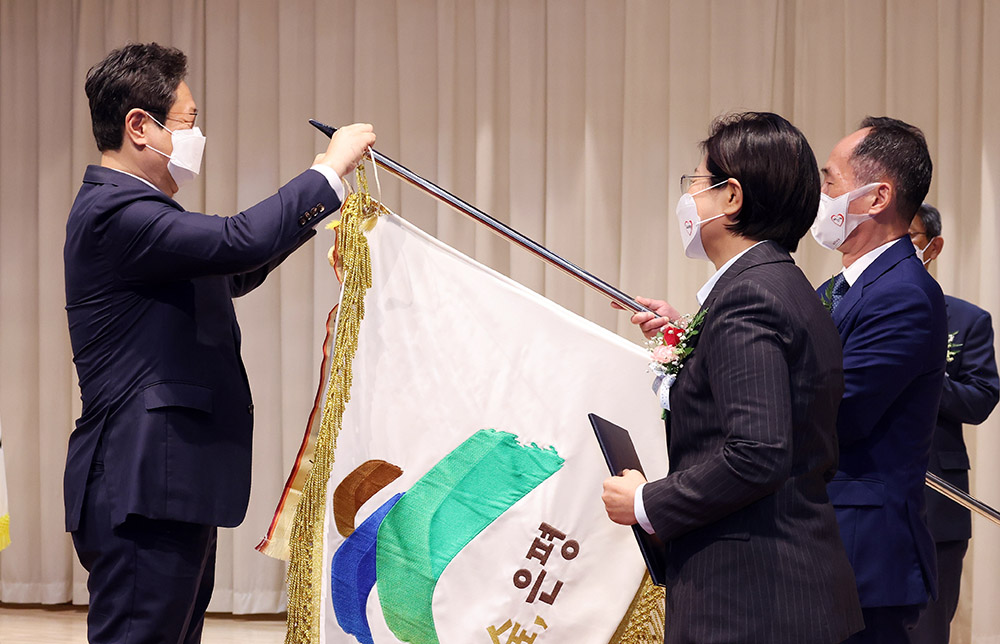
[136, 75]
[776, 169]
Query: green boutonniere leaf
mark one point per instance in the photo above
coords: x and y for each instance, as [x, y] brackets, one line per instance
[827, 298]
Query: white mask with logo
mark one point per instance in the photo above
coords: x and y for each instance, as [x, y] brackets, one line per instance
[920, 251]
[833, 223]
[691, 223]
[185, 161]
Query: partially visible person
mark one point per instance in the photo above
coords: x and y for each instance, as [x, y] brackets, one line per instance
[160, 457]
[754, 550]
[971, 392]
[891, 317]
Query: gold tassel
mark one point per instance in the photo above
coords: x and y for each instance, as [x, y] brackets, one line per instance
[305, 570]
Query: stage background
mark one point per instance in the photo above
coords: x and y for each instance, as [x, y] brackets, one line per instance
[570, 120]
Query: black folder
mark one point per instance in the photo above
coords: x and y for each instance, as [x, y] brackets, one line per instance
[619, 452]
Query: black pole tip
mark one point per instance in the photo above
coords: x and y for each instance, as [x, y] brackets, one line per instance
[322, 127]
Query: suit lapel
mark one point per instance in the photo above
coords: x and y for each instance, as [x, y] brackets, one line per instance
[767, 252]
[892, 256]
[96, 174]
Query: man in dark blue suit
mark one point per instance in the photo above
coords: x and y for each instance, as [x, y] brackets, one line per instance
[971, 391]
[160, 456]
[891, 317]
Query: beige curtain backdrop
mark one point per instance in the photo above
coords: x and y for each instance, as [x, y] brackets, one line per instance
[570, 120]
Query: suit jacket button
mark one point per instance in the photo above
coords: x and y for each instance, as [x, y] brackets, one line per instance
[302, 220]
[250, 409]
[320, 208]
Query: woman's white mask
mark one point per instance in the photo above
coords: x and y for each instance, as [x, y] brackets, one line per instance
[691, 223]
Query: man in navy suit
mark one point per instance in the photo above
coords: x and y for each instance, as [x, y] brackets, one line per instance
[160, 456]
[971, 391]
[892, 321]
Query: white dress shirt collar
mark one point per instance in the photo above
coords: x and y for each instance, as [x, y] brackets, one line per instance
[854, 271]
[705, 290]
[135, 177]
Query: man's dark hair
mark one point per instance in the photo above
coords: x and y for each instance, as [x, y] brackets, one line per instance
[897, 152]
[143, 76]
[776, 169]
[931, 219]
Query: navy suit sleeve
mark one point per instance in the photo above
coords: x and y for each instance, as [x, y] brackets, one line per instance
[748, 374]
[243, 283]
[970, 396]
[154, 241]
[891, 344]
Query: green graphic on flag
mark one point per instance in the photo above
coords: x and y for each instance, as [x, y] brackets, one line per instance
[443, 511]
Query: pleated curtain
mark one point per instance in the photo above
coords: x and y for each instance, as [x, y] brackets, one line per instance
[570, 120]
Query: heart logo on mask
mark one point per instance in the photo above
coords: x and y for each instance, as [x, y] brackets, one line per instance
[688, 226]
[838, 219]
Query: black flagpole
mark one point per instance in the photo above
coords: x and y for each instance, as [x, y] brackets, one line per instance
[498, 227]
[961, 497]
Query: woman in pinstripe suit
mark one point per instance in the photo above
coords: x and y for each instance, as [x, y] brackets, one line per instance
[755, 554]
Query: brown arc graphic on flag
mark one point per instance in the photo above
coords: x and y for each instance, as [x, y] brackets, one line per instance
[357, 487]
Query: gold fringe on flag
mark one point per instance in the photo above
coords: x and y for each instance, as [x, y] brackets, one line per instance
[305, 571]
[644, 620]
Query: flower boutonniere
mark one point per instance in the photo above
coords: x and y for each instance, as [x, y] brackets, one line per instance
[827, 297]
[668, 351]
[953, 349]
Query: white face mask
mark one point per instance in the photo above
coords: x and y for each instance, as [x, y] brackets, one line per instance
[185, 161]
[920, 251]
[833, 223]
[691, 223]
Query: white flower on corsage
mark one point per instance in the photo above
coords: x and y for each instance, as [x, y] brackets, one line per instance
[953, 348]
[669, 349]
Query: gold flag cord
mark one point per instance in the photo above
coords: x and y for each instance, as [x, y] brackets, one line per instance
[305, 570]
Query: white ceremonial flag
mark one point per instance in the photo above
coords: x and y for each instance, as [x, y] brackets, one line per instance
[4, 512]
[464, 504]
